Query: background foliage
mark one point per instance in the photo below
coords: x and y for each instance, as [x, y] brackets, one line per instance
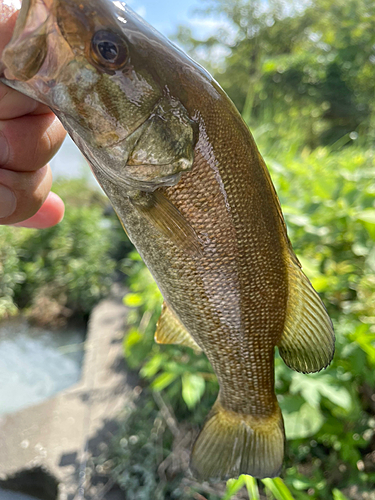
[62, 271]
[305, 64]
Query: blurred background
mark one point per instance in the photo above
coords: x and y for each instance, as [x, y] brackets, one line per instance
[302, 74]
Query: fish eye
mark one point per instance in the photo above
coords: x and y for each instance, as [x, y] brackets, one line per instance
[109, 49]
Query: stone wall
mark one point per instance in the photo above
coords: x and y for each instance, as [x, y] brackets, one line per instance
[62, 435]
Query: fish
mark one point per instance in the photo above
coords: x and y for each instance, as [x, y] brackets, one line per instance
[194, 195]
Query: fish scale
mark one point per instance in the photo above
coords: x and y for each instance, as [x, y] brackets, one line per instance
[190, 187]
[241, 380]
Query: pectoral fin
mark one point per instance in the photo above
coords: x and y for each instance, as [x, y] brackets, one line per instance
[170, 330]
[308, 341]
[168, 220]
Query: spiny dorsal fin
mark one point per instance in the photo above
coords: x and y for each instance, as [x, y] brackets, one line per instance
[170, 330]
[308, 341]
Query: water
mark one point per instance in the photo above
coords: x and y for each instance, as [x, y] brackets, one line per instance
[69, 162]
[36, 363]
[12, 495]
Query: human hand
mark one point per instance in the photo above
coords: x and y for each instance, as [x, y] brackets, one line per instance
[30, 135]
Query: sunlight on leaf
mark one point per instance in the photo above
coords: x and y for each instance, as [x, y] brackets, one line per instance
[313, 388]
[152, 367]
[192, 389]
[366, 340]
[252, 487]
[163, 381]
[367, 216]
[132, 338]
[303, 423]
[133, 300]
[278, 489]
[337, 495]
[233, 486]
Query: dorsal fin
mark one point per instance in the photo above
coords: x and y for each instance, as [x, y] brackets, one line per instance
[308, 342]
[170, 330]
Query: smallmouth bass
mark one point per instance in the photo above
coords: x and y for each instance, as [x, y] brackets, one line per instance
[190, 187]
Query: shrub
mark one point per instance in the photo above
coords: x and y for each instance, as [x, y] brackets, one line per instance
[63, 270]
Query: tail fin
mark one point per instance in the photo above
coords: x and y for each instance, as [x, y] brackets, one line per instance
[231, 444]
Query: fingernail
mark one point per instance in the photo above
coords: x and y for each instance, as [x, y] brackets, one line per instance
[4, 149]
[8, 202]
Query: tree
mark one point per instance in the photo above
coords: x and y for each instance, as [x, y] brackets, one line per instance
[314, 63]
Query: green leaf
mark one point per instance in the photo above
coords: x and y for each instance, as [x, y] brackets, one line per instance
[233, 486]
[134, 348]
[307, 387]
[301, 484]
[312, 388]
[132, 338]
[366, 340]
[337, 395]
[337, 495]
[163, 381]
[152, 367]
[133, 300]
[192, 389]
[367, 215]
[252, 487]
[303, 423]
[278, 489]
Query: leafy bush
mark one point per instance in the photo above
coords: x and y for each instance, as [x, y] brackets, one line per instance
[328, 201]
[149, 458]
[10, 275]
[302, 65]
[185, 374]
[63, 270]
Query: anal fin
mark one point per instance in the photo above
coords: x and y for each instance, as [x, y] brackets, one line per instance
[308, 342]
[170, 330]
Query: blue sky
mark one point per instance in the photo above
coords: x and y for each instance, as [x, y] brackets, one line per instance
[166, 15]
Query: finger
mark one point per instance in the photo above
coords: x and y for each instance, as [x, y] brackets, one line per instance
[50, 214]
[29, 142]
[25, 195]
[30, 190]
[14, 104]
[8, 16]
